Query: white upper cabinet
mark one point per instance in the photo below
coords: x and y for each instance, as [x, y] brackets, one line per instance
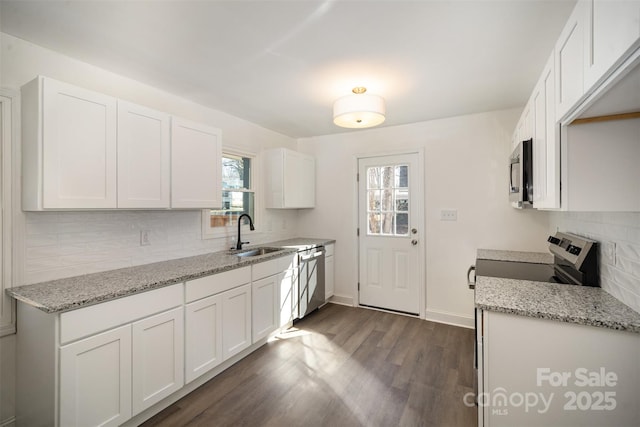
[68, 147]
[613, 28]
[546, 142]
[291, 179]
[86, 150]
[143, 157]
[569, 62]
[196, 165]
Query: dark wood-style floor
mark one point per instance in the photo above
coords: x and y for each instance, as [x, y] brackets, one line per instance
[341, 366]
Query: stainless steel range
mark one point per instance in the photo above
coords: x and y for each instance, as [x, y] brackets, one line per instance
[575, 263]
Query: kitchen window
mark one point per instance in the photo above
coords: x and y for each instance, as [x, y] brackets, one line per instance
[238, 195]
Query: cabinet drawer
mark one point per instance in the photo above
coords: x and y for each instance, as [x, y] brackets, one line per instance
[216, 283]
[267, 268]
[90, 320]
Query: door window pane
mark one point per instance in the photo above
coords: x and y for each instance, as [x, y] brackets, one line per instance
[388, 200]
[374, 223]
[402, 224]
[402, 179]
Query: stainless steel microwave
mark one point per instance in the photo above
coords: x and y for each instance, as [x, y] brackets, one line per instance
[521, 175]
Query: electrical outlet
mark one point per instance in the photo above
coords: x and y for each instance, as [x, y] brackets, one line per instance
[609, 253]
[144, 238]
[448, 215]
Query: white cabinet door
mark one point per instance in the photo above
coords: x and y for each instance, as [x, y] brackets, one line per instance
[613, 28]
[290, 182]
[143, 157]
[521, 355]
[329, 277]
[546, 142]
[236, 320]
[203, 340]
[287, 295]
[158, 358]
[265, 306]
[95, 380]
[196, 165]
[79, 148]
[299, 180]
[569, 63]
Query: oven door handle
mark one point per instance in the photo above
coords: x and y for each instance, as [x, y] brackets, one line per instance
[472, 285]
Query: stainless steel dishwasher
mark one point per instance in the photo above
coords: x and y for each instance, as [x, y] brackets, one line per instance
[310, 280]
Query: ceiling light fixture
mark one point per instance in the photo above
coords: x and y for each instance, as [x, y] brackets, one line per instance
[359, 110]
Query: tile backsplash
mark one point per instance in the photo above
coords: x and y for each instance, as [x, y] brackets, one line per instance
[65, 244]
[619, 251]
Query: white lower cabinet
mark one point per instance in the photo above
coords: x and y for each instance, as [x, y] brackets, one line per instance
[95, 380]
[287, 292]
[264, 294]
[203, 336]
[158, 358]
[108, 363]
[329, 272]
[236, 320]
[538, 372]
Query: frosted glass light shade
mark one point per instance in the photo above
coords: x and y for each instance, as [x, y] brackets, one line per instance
[359, 111]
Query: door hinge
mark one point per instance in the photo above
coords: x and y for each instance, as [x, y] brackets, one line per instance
[358, 231]
[358, 285]
[358, 177]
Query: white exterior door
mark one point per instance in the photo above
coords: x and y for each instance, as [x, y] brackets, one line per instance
[390, 217]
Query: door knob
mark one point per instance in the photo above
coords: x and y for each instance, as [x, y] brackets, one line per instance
[414, 242]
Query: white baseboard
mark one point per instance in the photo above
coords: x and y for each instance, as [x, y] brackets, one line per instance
[336, 299]
[450, 318]
[9, 422]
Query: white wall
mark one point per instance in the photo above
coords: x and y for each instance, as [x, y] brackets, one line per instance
[67, 244]
[620, 231]
[465, 169]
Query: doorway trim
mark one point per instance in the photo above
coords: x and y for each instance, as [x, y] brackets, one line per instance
[422, 249]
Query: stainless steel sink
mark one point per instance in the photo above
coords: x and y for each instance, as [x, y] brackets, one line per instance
[257, 252]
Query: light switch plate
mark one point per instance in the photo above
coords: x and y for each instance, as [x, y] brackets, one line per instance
[448, 215]
[609, 253]
[144, 238]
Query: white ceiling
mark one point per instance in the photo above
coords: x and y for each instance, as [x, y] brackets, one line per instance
[281, 64]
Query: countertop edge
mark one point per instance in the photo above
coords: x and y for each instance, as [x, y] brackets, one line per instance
[618, 326]
[15, 292]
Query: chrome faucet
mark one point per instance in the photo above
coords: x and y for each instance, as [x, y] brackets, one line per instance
[240, 242]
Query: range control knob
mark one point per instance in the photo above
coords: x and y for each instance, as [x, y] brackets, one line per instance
[574, 250]
[553, 240]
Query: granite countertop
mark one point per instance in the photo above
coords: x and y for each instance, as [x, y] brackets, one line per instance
[75, 292]
[515, 256]
[583, 305]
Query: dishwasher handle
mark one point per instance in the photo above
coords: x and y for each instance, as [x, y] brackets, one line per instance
[472, 285]
[312, 255]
